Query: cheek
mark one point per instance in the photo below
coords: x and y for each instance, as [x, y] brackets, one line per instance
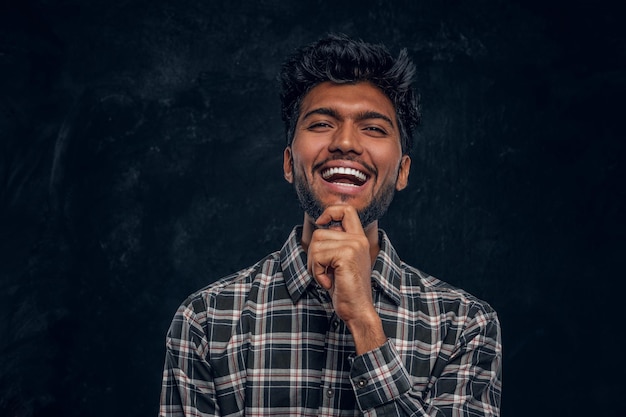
[387, 161]
[303, 156]
[299, 169]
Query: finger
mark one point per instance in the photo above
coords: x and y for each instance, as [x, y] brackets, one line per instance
[319, 266]
[343, 213]
[323, 274]
[327, 221]
[333, 225]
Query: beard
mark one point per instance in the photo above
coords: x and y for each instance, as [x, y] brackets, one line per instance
[372, 212]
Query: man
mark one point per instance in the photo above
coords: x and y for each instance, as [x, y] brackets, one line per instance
[335, 323]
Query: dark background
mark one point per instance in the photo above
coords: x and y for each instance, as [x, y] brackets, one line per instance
[140, 159]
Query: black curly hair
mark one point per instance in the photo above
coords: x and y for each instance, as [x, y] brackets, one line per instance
[340, 59]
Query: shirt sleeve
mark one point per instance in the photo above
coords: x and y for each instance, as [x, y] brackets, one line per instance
[466, 383]
[187, 389]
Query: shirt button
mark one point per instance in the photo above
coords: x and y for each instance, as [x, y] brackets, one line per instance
[330, 392]
[335, 324]
[362, 383]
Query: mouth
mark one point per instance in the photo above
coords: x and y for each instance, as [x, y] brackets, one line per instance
[344, 176]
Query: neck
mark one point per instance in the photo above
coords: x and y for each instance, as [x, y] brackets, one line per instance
[371, 231]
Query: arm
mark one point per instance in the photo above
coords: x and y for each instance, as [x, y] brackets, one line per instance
[464, 382]
[465, 378]
[187, 389]
[340, 259]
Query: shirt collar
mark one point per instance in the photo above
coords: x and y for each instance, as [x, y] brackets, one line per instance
[386, 274]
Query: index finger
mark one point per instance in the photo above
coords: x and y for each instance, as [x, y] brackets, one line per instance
[343, 213]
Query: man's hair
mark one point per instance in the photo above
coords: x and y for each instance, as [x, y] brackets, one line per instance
[342, 60]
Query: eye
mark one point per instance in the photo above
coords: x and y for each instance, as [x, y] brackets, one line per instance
[376, 131]
[319, 126]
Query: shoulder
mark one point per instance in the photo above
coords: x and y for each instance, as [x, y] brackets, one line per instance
[422, 292]
[220, 304]
[436, 297]
[227, 292]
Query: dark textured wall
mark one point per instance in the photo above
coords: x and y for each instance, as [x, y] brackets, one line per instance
[140, 159]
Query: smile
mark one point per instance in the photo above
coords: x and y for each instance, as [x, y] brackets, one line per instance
[346, 176]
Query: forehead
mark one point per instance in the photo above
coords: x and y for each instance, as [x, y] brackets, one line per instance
[348, 99]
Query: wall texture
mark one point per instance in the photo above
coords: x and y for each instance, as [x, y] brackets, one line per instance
[140, 159]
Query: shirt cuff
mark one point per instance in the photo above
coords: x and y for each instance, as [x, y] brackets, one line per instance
[379, 377]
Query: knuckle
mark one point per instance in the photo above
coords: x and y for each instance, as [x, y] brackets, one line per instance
[362, 242]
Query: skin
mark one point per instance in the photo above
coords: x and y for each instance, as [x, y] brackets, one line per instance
[355, 126]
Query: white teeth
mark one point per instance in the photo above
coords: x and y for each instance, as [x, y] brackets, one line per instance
[344, 171]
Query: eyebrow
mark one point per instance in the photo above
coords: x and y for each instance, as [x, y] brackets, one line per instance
[365, 115]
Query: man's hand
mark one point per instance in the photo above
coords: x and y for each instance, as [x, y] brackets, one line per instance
[339, 259]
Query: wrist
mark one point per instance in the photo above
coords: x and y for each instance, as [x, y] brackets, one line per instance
[367, 332]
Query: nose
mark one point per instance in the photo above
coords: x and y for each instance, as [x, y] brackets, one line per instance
[346, 140]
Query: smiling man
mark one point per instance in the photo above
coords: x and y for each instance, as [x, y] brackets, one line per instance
[335, 323]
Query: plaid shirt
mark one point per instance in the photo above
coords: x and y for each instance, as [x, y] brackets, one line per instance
[266, 342]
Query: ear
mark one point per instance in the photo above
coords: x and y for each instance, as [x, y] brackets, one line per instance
[288, 164]
[403, 173]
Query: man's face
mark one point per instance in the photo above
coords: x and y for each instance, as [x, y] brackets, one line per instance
[346, 150]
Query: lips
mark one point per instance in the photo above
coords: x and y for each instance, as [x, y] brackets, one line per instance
[345, 176]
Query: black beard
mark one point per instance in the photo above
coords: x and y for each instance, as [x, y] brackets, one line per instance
[374, 211]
